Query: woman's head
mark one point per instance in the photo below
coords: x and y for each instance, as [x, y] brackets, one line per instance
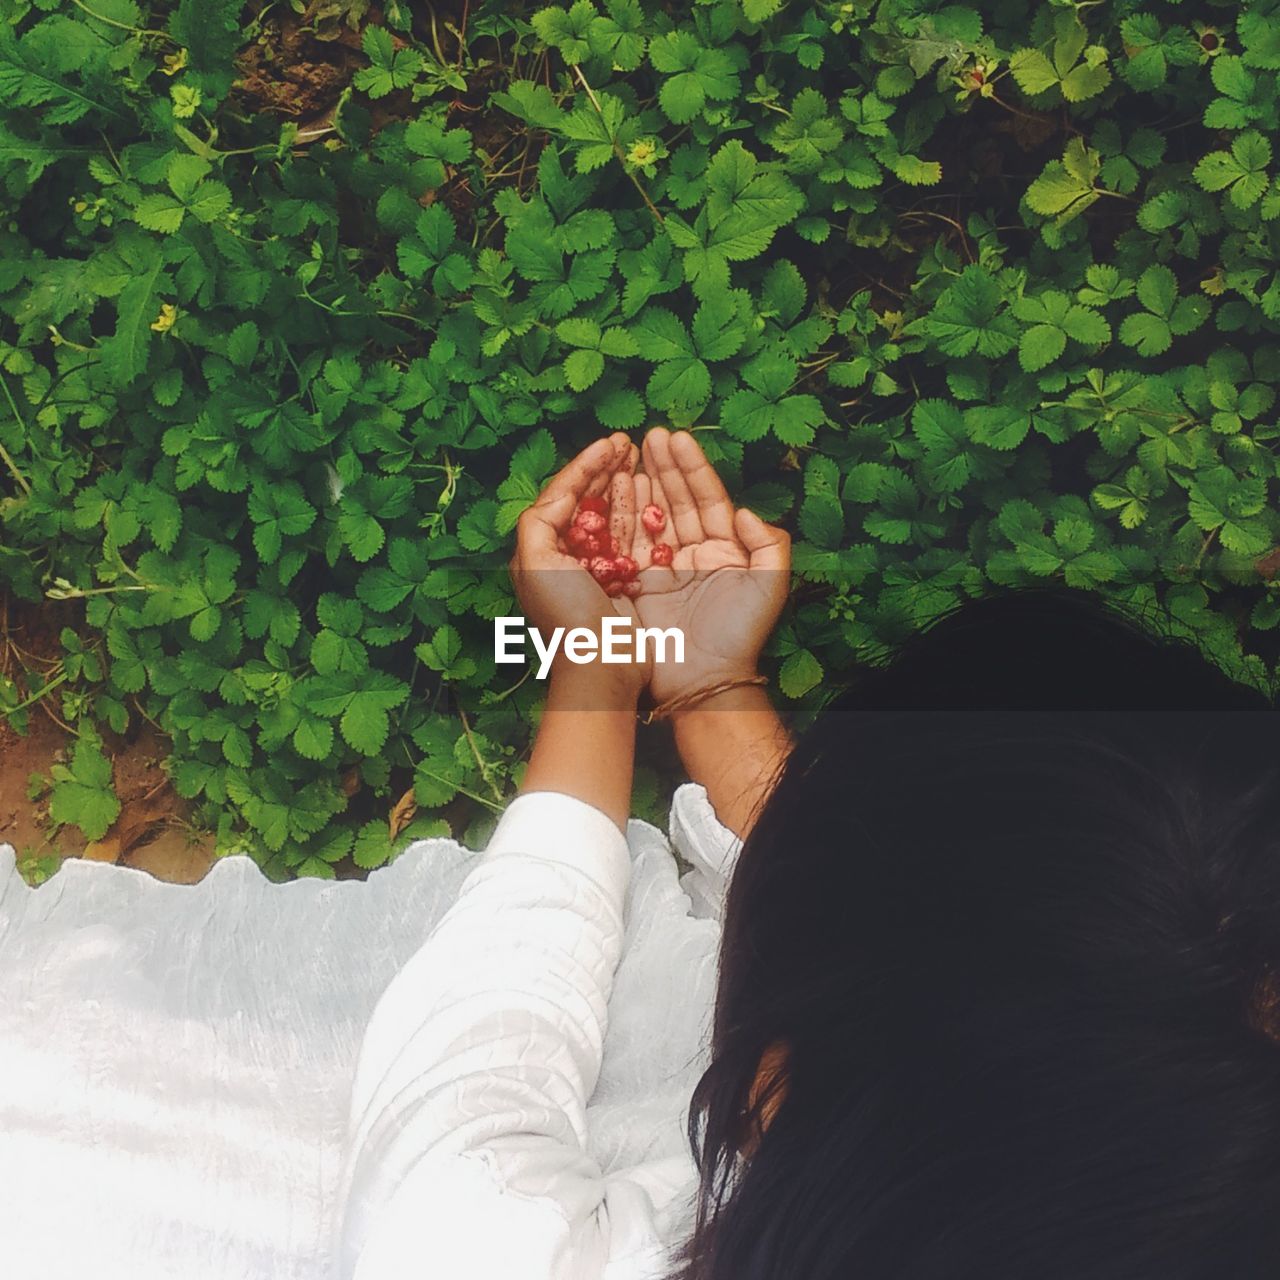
[1013, 910]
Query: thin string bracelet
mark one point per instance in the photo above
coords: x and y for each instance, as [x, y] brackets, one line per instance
[665, 710]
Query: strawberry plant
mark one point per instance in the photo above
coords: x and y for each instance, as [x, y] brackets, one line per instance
[963, 293]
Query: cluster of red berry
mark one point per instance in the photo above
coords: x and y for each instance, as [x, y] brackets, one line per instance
[598, 552]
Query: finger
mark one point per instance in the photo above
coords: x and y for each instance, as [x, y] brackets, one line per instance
[681, 506]
[538, 533]
[628, 453]
[588, 472]
[641, 542]
[768, 546]
[715, 509]
[658, 496]
[622, 509]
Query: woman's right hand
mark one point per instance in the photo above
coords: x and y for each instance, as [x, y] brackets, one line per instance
[729, 575]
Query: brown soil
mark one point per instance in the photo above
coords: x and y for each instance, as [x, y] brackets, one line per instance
[288, 71]
[152, 831]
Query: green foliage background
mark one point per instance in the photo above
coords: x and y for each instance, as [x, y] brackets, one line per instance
[963, 293]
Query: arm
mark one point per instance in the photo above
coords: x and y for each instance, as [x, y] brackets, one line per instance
[586, 740]
[734, 744]
[728, 583]
[467, 1147]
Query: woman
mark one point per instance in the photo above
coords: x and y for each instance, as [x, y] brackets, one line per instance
[470, 1103]
[997, 992]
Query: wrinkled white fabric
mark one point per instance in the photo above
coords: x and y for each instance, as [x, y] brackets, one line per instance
[179, 1094]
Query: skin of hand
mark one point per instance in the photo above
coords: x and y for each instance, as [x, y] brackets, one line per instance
[585, 743]
[553, 589]
[727, 584]
[729, 575]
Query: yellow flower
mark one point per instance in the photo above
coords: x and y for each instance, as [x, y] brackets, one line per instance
[165, 320]
[642, 153]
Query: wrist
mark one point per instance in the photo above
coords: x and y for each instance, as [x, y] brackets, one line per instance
[671, 680]
[734, 696]
[595, 686]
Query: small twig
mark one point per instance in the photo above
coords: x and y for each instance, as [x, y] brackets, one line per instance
[462, 33]
[1209, 540]
[1009, 107]
[43, 704]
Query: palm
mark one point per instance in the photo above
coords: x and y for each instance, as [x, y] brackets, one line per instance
[723, 598]
[710, 594]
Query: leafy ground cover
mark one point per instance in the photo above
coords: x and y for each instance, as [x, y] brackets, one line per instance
[299, 304]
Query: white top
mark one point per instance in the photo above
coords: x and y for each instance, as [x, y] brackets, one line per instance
[467, 1065]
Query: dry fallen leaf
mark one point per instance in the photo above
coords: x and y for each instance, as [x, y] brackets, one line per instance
[108, 849]
[137, 820]
[402, 813]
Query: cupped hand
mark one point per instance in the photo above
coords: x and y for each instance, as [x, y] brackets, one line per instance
[729, 575]
[553, 589]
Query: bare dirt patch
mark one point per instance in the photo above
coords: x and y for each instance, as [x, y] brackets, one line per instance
[289, 71]
[153, 831]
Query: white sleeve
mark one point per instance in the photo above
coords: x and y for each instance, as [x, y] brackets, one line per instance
[707, 845]
[467, 1143]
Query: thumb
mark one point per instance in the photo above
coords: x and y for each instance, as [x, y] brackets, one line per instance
[538, 529]
[768, 546]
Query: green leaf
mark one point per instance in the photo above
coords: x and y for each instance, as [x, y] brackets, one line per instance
[313, 738]
[1033, 71]
[83, 794]
[1041, 345]
[566, 30]
[210, 32]
[694, 75]
[125, 353]
[800, 673]
[683, 383]
[582, 369]
[1149, 334]
[160, 212]
[390, 68]
[1242, 170]
[970, 317]
[1066, 187]
[372, 846]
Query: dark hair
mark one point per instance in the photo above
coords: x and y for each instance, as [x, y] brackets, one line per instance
[1013, 908]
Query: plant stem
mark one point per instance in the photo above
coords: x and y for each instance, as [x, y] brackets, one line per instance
[471, 795]
[35, 697]
[22, 481]
[480, 760]
[617, 150]
[124, 26]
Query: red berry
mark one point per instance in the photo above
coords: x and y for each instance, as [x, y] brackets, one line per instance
[614, 588]
[631, 588]
[578, 540]
[593, 503]
[598, 545]
[661, 555]
[603, 569]
[653, 518]
[627, 568]
[591, 522]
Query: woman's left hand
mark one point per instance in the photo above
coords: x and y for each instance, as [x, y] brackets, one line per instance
[553, 589]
